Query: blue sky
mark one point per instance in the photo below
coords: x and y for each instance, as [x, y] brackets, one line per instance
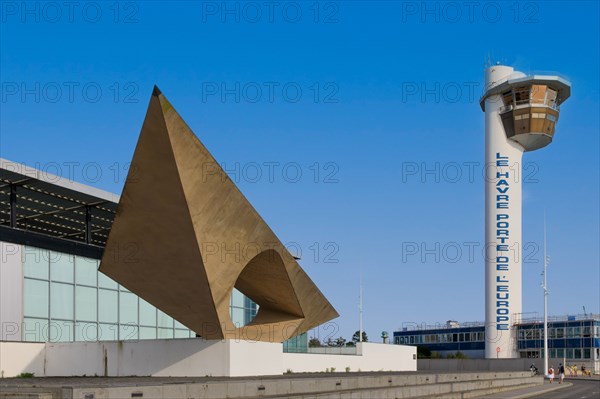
[356, 96]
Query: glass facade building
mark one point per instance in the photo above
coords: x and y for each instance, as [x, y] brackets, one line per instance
[468, 340]
[573, 338]
[66, 298]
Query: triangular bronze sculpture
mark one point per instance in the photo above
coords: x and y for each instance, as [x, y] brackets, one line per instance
[184, 236]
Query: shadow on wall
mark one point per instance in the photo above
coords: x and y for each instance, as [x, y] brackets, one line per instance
[22, 357]
[141, 358]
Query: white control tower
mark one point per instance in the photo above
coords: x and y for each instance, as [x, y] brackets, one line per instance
[520, 115]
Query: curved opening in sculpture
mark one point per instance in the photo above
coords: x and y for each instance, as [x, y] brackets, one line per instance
[265, 281]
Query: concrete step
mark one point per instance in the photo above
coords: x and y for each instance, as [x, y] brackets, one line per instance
[320, 385]
[445, 390]
[26, 395]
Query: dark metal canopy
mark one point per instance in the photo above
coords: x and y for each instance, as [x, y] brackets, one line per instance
[35, 202]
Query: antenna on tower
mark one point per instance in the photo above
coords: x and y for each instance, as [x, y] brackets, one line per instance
[488, 61]
[360, 309]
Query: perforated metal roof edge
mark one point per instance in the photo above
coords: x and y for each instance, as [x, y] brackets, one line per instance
[49, 178]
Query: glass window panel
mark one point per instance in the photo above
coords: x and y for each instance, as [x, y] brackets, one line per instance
[86, 271]
[106, 282]
[248, 315]
[164, 320]
[128, 332]
[60, 331]
[551, 97]
[61, 301]
[147, 314]
[86, 332]
[61, 267]
[180, 326]
[522, 95]
[587, 331]
[237, 298]
[147, 333]
[248, 303]
[108, 332]
[560, 352]
[35, 330]
[182, 333]
[165, 333]
[107, 306]
[587, 353]
[35, 298]
[538, 94]
[121, 288]
[128, 308]
[577, 353]
[35, 262]
[237, 316]
[86, 304]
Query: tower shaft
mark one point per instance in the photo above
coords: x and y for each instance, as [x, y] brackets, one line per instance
[520, 115]
[502, 227]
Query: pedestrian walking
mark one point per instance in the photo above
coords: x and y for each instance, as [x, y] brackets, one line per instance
[551, 375]
[561, 373]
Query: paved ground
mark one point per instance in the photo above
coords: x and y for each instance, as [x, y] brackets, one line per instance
[572, 388]
[588, 388]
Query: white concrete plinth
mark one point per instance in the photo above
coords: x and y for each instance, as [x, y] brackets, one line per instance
[192, 357]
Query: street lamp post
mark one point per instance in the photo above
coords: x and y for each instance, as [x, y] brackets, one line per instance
[545, 287]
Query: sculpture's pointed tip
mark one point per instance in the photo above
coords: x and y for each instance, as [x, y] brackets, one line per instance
[156, 91]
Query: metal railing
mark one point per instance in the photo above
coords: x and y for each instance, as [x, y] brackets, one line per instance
[439, 326]
[577, 317]
[333, 350]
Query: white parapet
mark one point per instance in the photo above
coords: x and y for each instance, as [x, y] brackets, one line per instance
[369, 357]
[192, 357]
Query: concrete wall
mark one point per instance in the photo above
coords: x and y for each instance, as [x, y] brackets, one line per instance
[191, 357]
[370, 357]
[158, 358]
[21, 357]
[255, 358]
